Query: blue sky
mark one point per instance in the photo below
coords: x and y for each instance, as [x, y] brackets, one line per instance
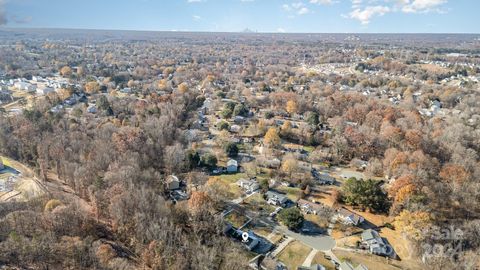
[322, 16]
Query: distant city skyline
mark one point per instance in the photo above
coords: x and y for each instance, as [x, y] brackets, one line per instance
[289, 16]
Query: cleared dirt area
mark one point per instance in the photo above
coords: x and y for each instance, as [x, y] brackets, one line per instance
[19, 182]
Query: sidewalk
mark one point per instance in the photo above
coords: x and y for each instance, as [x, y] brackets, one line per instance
[309, 259]
[282, 246]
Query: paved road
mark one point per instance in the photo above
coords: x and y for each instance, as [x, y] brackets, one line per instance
[318, 242]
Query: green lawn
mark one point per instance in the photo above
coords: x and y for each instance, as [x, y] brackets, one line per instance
[309, 148]
[233, 178]
[293, 193]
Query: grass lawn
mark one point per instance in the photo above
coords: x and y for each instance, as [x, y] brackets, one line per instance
[256, 203]
[320, 259]
[318, 220]
[293, 193]
[225, 188]
[349, 242]
[309, 149]
[294, 254]
[233, 178]
[236, 219]
[341, 230]
[373, 261]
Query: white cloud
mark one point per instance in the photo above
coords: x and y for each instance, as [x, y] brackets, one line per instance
[286, 7]
[297, 7]
[303, 10]
[418, 6]
[247, 0]
[196, 17]
[356, 3]
[364, 15]
[322, 2]
[195, 1]
[280, 30]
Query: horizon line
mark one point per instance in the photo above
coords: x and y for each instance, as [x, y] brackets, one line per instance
[235, 32]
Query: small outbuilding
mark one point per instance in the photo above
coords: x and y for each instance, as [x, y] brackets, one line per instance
[232, 166]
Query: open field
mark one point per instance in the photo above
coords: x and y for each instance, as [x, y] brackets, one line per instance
[225, 187]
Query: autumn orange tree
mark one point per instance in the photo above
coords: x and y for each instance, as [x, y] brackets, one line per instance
[271, 138]
[292, 107]
[92, 87]
[412, 224]
[66, 71]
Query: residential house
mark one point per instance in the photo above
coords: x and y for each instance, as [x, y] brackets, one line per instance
[275, 198]
[126, 90]
[239, 119]
[308, 207]
[375, 243]
[92, 109]
[25, 86]
[45, 90]
[172, 182]
[359, 164]
[323, 178]
[349, 217]
[248, 185]
[232, 166]
[252, 243]
[235, 128]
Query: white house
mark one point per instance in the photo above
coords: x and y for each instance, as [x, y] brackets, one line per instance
[248, 185]
[375, 243]
[45, 90]
[275, 198]
[232, 166]
[349, 217]
[25, 86]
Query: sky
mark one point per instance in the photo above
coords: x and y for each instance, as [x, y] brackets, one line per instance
[291, 16]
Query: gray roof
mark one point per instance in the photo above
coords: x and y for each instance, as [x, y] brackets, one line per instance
[232, 162]
[370, 234]
[279, 196]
